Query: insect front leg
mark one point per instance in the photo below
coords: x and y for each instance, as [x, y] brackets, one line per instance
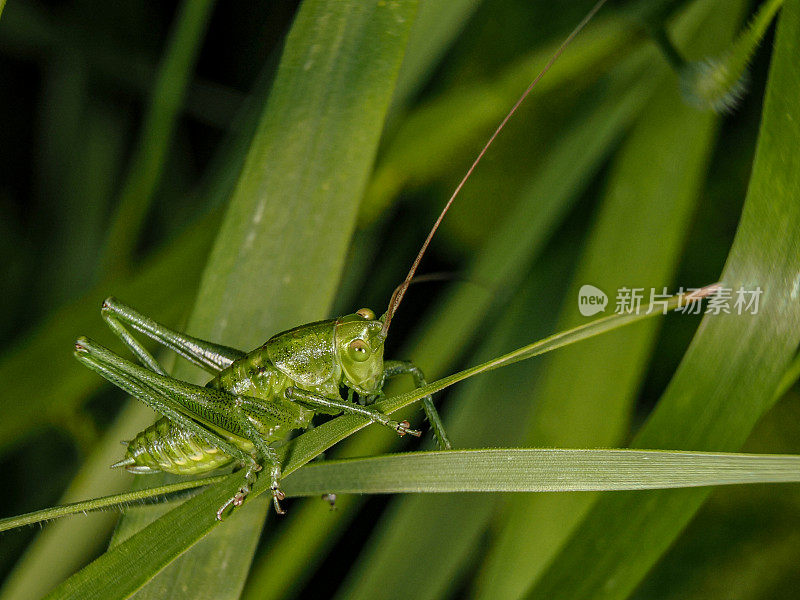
[392, 368]
[317, 401]
[207, 355]
[173, 399]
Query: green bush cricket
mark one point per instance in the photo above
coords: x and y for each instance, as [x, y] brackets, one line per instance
[256, 399]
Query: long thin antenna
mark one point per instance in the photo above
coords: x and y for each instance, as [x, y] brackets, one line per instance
[398, 294]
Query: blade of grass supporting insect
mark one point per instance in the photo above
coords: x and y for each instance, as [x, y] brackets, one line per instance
[160, 121]
[529, 470]
[126, 499]
[778, 426]
[539, 470]
[504, 262]
[636, 243]
[729, 375]
[319, 144]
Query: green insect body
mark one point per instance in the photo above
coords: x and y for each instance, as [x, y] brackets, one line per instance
[254, 399]
[317, 357]
[167, 447]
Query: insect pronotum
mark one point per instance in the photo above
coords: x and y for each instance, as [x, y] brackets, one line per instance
[257, 398]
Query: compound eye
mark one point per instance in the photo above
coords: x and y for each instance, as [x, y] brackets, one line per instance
[366, 313]
[358, 350]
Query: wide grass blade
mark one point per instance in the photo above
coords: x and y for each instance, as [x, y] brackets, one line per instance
[538, 470]
[728, 378]
[281, 248]
[497, 470]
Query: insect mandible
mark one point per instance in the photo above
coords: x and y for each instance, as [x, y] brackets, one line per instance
[258, 398]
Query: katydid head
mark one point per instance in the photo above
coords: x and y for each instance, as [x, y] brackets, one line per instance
[358, 339]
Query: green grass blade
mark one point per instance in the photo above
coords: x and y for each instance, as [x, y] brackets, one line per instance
[728, 378]
[119, 501]
[538, 470]
[297, 198]
[162, 285]
[502, 470]
[160, 121]
[636, 242]
[436, 26]
[436, 133]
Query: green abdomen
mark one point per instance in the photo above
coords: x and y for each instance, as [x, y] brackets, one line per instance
[165, 446]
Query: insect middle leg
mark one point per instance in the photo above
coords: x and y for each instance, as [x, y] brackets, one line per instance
[393, 368]
[176, 400]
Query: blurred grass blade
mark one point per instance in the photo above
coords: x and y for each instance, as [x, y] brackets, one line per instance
[728, 377]
[637, 242]
[298, 197]
[458, 121]
[162, 285]
[436, 26]
[160, 121]
[718, 83]
[538, 470]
